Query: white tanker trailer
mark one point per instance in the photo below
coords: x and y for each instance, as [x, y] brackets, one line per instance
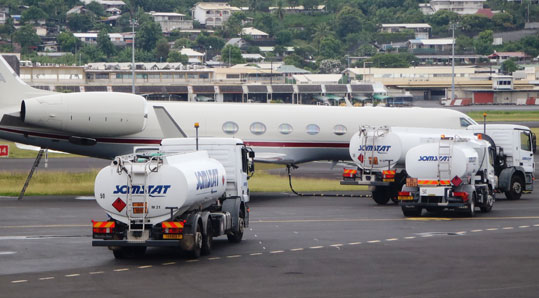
[453, 173]
[380, 152]
[174, 196]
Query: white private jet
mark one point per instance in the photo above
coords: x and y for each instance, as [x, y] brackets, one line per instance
[107, 124]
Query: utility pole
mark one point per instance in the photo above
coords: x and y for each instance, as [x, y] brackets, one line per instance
[452, 27]
[133, 23]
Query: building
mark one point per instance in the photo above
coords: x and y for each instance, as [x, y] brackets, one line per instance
[212, 14]
[107, 3]
[431, 46]
[457, 6]
[254, 33]
[194, 56]
[298, 9]
[502, 56]
[170, 21]
[118, 39]
[421, 31]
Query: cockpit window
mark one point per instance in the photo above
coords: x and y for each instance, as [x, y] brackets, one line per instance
[465, 122]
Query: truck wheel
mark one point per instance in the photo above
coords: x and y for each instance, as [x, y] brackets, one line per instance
[515, 189]
[236, 236]
[381, 197]
[471, 207]
[416, 212]
[487, 205]
[197, 247]
[207, 239]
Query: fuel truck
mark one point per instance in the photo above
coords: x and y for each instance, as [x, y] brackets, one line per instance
[379, 154]
[179, 194]
[454, 173]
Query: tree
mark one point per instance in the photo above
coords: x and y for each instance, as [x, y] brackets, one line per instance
[366, 50]
[91, 53]
[283, 37]
[443, 18]
[104, 43]
[96, 8]
[475, 23]
[34, 14]
[162, 49]
[148, 34]
[464, 44]
[231, 55]
[509, 66]
[67, 41]
[483, 42]
[80, 22]
[232, 27]
[348, 20]
[28, 39]
[176, 56]
[183, 43]
[503, 21]
[330, 48]
[392, 60]
[330, 66]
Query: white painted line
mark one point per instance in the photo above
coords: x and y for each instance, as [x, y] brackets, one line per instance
[233, 256]
[169, 263]
[409, 237]
[144, 267]
[536, 225]
[46, 278]
[476, 231]
[97, 272]
[256, 254]
[296, 249]
[461, 232]
[373, 241]
[523, 227]
[508, 228]
[315, 247]
[276, 251]
[121, 269]
[72, 275]
[2, 253]
[19, 281]
[492, 229]
[336, 245]
[392, 239]
[191, 261]
[214, 258]
[354, 243]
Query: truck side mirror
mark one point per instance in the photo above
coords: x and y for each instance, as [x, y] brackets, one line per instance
[534, 143]
[251, 154]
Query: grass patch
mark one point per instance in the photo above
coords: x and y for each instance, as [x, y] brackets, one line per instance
[48, 183]
[505, 115]
[15, 152]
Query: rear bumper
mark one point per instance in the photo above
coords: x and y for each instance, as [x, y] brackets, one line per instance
[186, 243]
[452, 205]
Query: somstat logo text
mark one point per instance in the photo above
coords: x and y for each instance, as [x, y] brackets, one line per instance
[433, 158]
[153, 190]
[207, 178]
[375, 148]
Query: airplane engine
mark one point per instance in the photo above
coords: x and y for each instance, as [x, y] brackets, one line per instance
[96, 114]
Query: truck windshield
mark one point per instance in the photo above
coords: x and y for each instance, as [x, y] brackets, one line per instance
[465, 122]
[525, 141]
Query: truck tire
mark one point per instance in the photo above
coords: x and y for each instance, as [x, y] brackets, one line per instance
[381, 197]
[416, 212]
[515, 188]
[471, 207]
[207, 239]
[487, 205]
[236, 236]
[197, 247]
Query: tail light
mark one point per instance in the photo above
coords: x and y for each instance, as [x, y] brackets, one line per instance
[349, 173]
[103, 227]
[463, 195]
[405, 196]
[172, 229]
[388, 175]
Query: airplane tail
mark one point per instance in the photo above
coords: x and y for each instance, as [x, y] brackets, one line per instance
[13, 89]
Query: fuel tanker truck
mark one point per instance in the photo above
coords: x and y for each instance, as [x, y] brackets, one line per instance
[379, 154]
[454, 173]
[180, 194]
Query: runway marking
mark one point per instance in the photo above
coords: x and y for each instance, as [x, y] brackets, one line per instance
[392, 239]
[536, 225]
[426, 236]
[46, 278]
[476, 231]
[169, 263]
[192, 261]
[256, 254]
[508, 228]
[354, 243]
[315, 247]
[296, 249]
[121, 269]
[523, 227]
[97, 272]
[410, 237]
[461, 233]
[492, 229]
[336, 245]
[233, 256]
[428, 218]
[3, 253]
[276, 251]
[373, 241]
[19, 281]
[72, 275]
[214, 258]
[144, 267]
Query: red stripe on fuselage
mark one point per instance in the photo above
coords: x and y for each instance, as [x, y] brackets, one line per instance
[297, 144]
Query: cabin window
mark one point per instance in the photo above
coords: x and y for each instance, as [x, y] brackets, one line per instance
[339, 129]
[230, 127]
[464, 122]
[313, 129]
[285, 128]
[525, 142]
[258, 128]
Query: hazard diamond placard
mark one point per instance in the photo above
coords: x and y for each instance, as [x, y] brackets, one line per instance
[4, 150]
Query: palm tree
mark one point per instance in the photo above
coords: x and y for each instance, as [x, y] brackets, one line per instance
[321, 30]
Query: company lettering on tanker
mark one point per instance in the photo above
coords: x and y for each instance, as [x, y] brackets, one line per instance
[434, 158]
[376, 148]
[153, 190]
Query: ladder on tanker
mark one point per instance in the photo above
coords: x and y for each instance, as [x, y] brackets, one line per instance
[368, 158]
[137, 197]
[445, 151]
